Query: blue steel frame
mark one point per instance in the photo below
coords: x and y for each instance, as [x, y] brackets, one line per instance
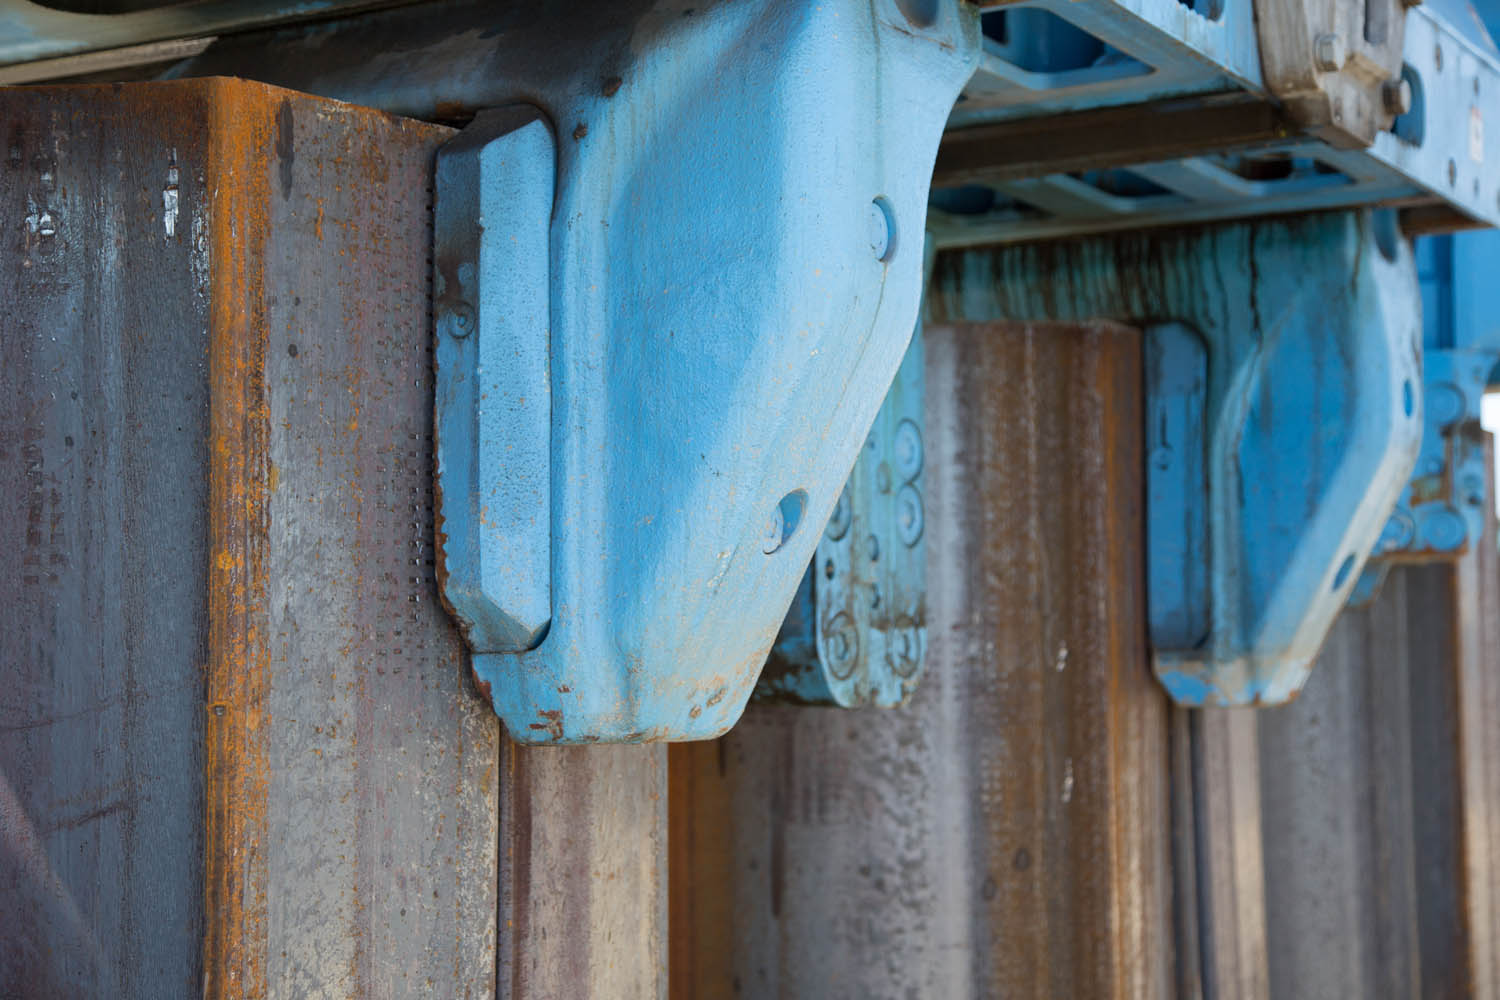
[1446, 147]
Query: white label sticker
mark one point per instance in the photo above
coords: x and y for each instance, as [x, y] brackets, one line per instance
[1476, 135]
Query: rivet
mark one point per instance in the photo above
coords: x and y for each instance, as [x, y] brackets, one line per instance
[907, 450]
[463, 320]
[909, 515]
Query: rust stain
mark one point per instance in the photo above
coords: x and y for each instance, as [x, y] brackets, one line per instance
[242, 135]
[552, 722]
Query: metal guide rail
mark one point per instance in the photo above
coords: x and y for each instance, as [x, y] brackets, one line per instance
[1201, 139]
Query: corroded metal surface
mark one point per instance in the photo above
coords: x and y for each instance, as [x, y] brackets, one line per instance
[241, 752]
[1379, 790]
[583, 843]
[1003, 834]
[1478, 714]
[381, 764]
[103, 450]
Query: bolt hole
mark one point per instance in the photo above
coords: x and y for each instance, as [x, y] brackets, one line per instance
[1408, 399]
[784, 521]
[921, 13]
[1342, 576]
[882, 229]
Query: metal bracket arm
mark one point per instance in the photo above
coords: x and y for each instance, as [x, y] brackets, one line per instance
[647, 407]
[1282, 421]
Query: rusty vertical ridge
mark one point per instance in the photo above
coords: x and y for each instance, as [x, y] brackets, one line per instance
[236, 779]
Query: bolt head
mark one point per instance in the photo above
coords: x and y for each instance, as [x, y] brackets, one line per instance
[1329, 52]
[1396, 94]
[1444, 530]
[463, 320]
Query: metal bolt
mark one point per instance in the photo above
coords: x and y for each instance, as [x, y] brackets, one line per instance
[1396, 95]
[1329, 52]
[463, 320]
[1445, 404]
[842, 645]
[1444, 530]
[903, 652]
[907, 451]
[909, 515]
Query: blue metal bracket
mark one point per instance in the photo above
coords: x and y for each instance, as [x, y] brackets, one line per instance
[1443, 508]
[1281, 422]
[856, 633]
[644, 404]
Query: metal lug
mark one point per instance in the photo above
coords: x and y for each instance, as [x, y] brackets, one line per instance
[1443, 508]
[856, 633]
[491, 218]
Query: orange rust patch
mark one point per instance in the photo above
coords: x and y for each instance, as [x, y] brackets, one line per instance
[237, 779]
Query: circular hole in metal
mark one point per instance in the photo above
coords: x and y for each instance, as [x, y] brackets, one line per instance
[784, 521]
[1342, 576]
[882, 229]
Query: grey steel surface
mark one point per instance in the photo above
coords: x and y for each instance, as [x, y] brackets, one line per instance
[1003, 834]
[1378, 789]
[103, 452]
[381, 826]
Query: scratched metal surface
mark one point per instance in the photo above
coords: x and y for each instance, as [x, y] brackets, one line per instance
[1363, 800]
[1005, 833]
[1478, 715]
[381, 810]
[103, 446]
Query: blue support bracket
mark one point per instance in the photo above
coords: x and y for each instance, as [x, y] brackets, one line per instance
[1282, 421]
[646, 406]
[856, 633]
[1443, 508]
